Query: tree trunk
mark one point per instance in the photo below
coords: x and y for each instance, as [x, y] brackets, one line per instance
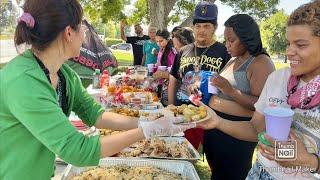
[188, 22]
[159, 11]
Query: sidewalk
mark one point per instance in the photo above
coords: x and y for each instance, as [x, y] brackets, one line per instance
[5, 59]
[7, 51]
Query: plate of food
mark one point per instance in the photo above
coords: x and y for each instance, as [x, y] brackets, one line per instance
[126, 111]
[189, 113]
[107, 132]
[146, 115]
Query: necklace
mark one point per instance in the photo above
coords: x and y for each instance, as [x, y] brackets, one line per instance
[197, 65]
[205, 51]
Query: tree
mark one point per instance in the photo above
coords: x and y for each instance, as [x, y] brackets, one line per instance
[260, 9]
[273, 32]
[162, 12]
[8, 14]
[99, 11]
[111, 30]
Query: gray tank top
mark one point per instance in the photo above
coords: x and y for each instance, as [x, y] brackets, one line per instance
[238, 79]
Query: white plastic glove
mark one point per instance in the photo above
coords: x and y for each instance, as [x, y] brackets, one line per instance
[163, 127]
[177, 128]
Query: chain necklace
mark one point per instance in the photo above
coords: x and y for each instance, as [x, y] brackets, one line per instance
[205, 51]
[196, 55]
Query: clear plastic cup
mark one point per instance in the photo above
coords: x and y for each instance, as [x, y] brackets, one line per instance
[169, 69]
[278, 122]
[212, 89]
[150, 67]
[162, 68]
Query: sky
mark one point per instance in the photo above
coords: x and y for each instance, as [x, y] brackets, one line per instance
[225, 12]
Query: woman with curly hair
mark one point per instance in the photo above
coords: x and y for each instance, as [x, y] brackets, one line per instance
[240, 83]
[298, 88]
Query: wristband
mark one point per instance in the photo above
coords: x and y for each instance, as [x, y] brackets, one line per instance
[262, 139]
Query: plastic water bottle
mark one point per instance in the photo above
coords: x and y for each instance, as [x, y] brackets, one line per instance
[96, 79]
[104, 80]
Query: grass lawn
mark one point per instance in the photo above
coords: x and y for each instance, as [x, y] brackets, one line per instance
[123, 57]
[5, 37]
[126, 58]
[202, 167]
[280, 65]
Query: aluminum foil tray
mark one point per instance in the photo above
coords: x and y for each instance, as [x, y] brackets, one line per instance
[182, 167]
[195, 154]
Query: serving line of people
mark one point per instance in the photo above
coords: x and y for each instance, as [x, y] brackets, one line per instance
[38, 92]
[295, 87]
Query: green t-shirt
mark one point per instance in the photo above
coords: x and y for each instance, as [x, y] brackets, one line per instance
[33, 127]
[147, 51]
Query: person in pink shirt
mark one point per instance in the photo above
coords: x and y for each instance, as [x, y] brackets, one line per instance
[166, 57]
[167, 52]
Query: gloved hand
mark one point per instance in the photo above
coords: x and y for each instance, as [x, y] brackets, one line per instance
[163, 127]
[177, 128]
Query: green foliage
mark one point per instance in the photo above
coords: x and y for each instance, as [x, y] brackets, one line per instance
[273, 32]
[182, 10]
[4, 10]
[104, 11]
[8, 15]
[98, 11]
[111, 30]
[141, 14]
[260, 9]
[110, 41]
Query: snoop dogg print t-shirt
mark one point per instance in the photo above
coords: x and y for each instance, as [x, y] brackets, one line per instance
[193, 60]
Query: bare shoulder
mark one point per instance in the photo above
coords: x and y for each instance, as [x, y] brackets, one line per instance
[262, 61]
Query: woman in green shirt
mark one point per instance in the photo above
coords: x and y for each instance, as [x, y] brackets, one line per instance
[38, 92]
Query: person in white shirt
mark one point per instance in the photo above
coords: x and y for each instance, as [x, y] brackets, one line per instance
[298, 88]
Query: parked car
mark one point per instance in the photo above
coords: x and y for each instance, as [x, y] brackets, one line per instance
[121, 46]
